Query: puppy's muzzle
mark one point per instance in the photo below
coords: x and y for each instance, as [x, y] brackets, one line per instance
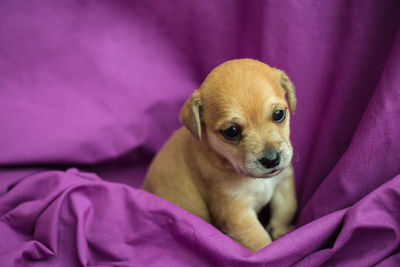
[270, 160]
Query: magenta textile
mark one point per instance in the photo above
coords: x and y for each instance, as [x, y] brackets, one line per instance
[90, 90]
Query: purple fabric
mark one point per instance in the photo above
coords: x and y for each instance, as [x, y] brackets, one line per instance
[90, 90]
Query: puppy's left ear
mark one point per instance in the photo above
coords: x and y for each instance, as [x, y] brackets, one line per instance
[289, 88]
[190, 114]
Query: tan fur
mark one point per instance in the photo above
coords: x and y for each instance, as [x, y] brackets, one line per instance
[221, 180]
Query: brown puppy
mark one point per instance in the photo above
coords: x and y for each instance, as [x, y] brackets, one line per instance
[234, 156]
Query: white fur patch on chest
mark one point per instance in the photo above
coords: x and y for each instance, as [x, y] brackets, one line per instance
[258, 191]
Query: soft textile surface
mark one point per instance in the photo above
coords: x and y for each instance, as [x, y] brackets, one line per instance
[90, 90]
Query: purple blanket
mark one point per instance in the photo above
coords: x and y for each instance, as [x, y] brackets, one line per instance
[90, 90]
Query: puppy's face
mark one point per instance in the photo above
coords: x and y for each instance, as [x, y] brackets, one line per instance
[244, 115]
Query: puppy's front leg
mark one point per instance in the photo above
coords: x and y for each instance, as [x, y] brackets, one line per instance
[244, 226]
[283, 206]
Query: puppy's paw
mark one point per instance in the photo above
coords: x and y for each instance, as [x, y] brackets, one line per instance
[278, 230]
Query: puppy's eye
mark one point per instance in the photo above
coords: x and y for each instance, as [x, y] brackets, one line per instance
[232, 132]
[279, 115]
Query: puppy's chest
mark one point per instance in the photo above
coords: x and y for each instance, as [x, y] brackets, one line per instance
[259, 192]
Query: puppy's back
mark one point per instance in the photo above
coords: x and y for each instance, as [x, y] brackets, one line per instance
[171, 177]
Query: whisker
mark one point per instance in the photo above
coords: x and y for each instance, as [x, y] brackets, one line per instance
[296, 157]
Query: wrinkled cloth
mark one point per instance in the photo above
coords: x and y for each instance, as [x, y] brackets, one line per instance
[90, 90]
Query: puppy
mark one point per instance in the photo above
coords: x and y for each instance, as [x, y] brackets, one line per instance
[234, 154]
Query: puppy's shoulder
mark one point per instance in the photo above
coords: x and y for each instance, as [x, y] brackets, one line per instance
[177, 141]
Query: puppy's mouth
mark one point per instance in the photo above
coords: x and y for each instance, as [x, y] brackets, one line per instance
[270, 174]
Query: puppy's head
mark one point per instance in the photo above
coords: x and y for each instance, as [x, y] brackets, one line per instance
[242, 112]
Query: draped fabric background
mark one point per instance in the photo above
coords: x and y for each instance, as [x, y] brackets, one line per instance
[90, 90]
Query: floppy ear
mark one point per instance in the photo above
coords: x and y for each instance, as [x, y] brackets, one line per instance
[190, 114]
[289, 88]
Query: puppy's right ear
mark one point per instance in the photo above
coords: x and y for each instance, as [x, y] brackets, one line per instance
[190, 114]
[289, 88]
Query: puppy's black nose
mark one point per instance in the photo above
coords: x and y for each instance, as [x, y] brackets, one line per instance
[271, 160]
